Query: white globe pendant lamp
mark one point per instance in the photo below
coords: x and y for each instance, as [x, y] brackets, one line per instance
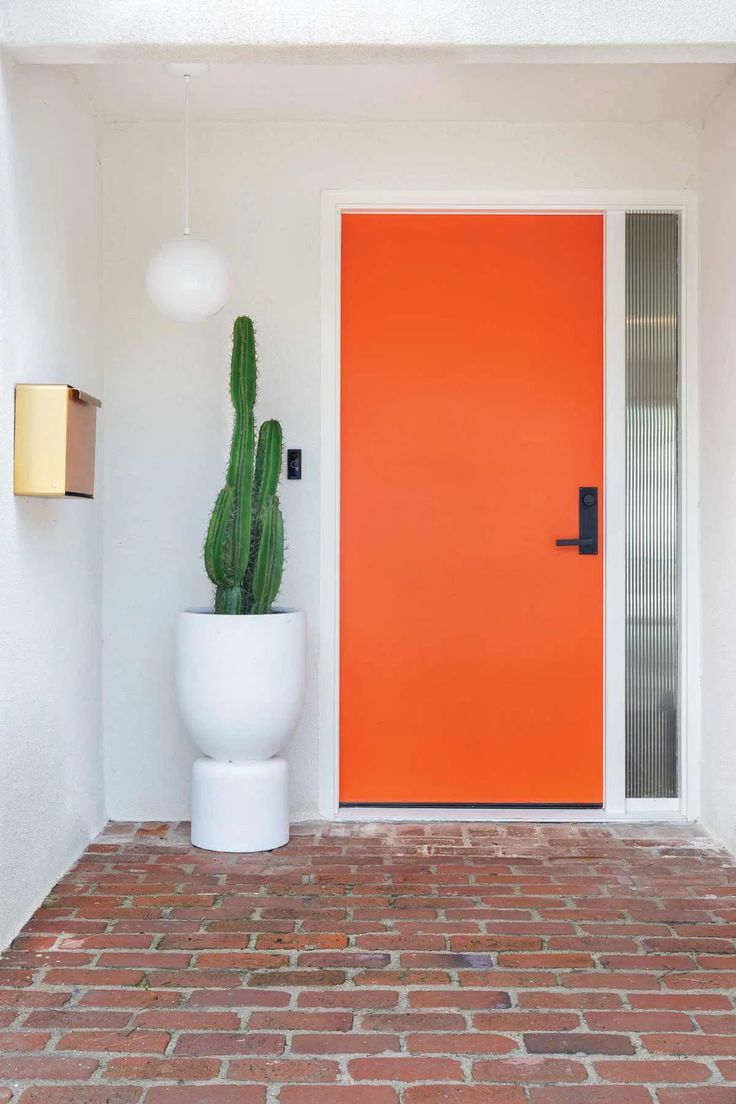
[188, 278]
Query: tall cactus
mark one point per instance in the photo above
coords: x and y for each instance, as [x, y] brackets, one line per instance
[244, 547]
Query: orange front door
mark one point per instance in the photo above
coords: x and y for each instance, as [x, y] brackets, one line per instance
[471, 647]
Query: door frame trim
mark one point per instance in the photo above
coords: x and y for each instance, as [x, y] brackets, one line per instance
[613, 205]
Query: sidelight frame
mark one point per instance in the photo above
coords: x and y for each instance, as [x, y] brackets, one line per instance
[613, 205]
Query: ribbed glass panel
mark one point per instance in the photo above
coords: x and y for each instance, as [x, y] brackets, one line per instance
[652, 505]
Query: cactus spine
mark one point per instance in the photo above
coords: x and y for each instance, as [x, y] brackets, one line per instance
[244, 547]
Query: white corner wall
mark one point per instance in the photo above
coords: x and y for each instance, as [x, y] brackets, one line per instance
[257, 192]
[50, 551]
[718, 465]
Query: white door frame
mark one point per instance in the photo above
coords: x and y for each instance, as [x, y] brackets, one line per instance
[613, 205]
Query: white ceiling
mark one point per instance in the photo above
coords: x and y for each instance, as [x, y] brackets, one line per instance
[70, 31]
[421, 92]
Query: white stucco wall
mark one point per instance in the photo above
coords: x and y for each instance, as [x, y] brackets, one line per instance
[257, 191]
[50, 551]
[718, 465]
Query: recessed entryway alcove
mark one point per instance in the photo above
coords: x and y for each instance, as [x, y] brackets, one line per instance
[269, 141]
[261, 163]
[265, 147]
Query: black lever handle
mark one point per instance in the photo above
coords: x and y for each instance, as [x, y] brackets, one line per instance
[587, 542]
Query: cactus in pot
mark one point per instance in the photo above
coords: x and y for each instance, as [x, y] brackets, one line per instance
[244, 547]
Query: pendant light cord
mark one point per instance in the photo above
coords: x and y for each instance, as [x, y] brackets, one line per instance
[187, 79]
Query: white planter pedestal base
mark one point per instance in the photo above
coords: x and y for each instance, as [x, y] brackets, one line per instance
[241, 806]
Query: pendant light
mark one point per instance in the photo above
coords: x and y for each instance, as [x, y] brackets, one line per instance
[188, 278]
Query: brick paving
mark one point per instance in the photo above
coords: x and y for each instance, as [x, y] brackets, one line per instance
[404, 964]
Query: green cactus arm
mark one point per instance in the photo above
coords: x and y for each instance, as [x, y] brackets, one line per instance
[268, 463]
[243, 375]
[241, 480]
[243, 381]
[216, 554]
[227, 545]
[269, 562]
[265, 483]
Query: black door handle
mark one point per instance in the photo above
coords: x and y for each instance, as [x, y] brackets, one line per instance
[587, 542]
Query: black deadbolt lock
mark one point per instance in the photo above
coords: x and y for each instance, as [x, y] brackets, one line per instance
[587, 540]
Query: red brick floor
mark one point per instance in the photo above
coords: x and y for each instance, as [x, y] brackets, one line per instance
[421, 964]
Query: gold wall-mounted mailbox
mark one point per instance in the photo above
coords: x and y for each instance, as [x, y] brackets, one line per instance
[54, 441]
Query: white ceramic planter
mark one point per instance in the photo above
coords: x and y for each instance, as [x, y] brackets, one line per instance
[240, 688]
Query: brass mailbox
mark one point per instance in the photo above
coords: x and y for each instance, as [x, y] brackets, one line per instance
[54, 441]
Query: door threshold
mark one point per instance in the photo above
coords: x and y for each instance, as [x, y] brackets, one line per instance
[539, 814]
[471, 805]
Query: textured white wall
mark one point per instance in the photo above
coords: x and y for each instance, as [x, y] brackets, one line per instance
[718, 465]
[50, 551]
[257, 191]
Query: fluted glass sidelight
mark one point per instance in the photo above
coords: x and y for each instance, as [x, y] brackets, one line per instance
[652, 504]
